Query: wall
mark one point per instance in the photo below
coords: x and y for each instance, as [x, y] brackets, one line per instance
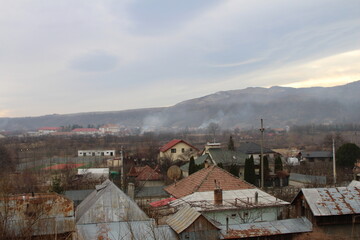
[179, 152]
[245, 215]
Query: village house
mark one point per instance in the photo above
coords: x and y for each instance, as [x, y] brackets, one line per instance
[109, 129]
[222, 205]
[315, 156]
[216, 156]
[41, 215]
[108, 213]
[334, 210]
[96, 153]
[85, 131]
[48, 130]
[177, 149]
[253, 149]
[203, 181]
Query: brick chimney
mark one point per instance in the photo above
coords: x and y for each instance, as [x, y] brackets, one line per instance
[218, 196]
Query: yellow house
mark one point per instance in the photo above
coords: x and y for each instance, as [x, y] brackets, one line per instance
[177, 149]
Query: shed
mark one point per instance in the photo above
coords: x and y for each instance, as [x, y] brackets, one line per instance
[190, 224]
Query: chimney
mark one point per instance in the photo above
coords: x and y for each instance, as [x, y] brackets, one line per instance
[131, 190]
[218, 196]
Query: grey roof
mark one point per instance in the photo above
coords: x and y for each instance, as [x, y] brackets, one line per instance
[157, 191]
[316, 154]
[78, 195]
[310, 179]
[108, 204]
[258, 229]
[227, 157]
[126, 231]
[332, 201]
[253, 148]
[198, 161]
[183, 219]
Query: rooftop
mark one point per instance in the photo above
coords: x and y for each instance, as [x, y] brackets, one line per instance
[253, 148]
[332, 201]
[204, 180]
[232, 199]
[263, 229]
[172, 143]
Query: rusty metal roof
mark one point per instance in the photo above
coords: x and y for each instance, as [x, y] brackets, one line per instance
[333, 201]
[38, 214]
[183, 219]
[261, 229]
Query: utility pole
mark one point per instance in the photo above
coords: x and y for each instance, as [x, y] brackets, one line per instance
[334, 162]
[262, 154]
[122, 169]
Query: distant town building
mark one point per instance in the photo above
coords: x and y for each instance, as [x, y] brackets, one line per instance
[109, 129]
[85, 131]
[48, 130]
[96, 153]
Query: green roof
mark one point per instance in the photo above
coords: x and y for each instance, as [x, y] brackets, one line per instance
[198, 161]
[227, 157]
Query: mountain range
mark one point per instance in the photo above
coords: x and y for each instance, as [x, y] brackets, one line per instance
[278, 106]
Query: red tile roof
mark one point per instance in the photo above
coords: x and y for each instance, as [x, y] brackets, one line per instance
[172, 143]
[50, 128]
[85, 130]
[149, 174]
[204, 180]
[145, 173]
[135, 171]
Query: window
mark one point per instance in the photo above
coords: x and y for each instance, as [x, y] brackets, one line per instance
[183, 150]
[190, 149]
[173, 150]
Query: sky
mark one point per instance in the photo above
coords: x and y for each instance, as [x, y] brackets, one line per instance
[70, 56]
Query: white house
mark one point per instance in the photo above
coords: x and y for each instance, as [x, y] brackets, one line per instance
[96, 153]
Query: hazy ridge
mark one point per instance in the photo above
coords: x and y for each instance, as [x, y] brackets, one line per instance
[279, 106]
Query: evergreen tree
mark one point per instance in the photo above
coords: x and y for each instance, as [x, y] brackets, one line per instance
[56, 185]
[347, 155]
[249, 171]
[266, 167]
[192, 166]
[234, 170]
[231, 145]
[278, 164]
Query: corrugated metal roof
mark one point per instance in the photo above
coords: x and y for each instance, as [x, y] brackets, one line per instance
[317, 154]
[307, 178]
[354, 183]
[78, 195]
[108, 204]
[156, 191]
[39, 214]
[232, 199]
[182, 219]
[253, 148]
[126, 231]
[288, 226]
[333, 201]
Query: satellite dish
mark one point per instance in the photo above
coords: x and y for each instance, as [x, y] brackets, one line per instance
[174, 173]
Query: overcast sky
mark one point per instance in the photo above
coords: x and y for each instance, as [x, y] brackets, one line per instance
[68, 56]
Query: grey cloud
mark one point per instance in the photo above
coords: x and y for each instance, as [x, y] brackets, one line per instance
[95, 62]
